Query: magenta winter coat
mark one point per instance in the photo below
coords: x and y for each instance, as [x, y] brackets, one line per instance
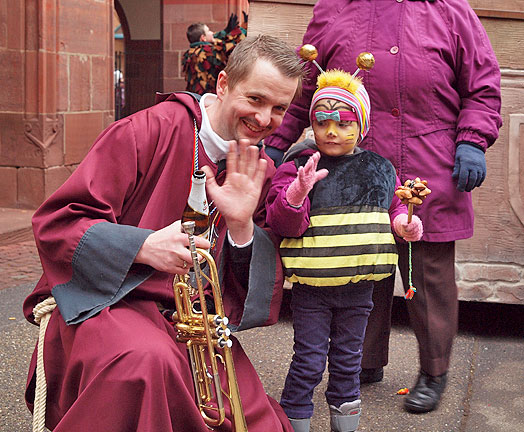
[435, 82]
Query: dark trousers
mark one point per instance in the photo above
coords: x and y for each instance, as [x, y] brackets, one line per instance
[328, 322]
[433, 311]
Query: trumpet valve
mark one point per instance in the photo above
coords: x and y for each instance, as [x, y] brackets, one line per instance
[221, 331]
[222, 343]
[220, 320]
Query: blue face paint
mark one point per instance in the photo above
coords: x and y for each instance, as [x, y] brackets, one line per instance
[327, 115]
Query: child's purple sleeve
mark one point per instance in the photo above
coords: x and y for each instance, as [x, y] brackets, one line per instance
[285, 220]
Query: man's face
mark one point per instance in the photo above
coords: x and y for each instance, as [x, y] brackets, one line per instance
[207, 36]
[256, 105]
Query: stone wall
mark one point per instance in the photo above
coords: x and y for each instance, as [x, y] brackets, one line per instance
[57, 77]
[56, 71]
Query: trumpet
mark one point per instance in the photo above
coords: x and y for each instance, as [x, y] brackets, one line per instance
[207, 334]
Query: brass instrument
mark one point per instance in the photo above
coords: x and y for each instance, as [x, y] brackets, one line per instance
[203, 333]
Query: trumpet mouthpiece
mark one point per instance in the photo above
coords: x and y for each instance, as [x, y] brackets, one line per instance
[189, 227]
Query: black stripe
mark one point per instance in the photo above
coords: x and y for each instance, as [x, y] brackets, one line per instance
[347, 209]
[339, 251]
[331, 230]
[342, 271]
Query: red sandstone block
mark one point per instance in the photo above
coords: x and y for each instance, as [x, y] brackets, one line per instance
[11, 67]
[102, 83]
[475, 291]
[178, 36]
[108, 118]
[167, 42]
[171, 85]
[221, 15]
[15, 25]
[31, 81]
[30, 187]
[511, 293]
[490, 272]
[47, 21]
[3, 29]
[55, 177]
[179, 84]
[63, 83]
[507, 273]
[81, 130]
[47, 82]
[8, 180]
[171, 64]
[32, 29]
[84, 27]
[20, 139]
[183, 12]
[79, 82]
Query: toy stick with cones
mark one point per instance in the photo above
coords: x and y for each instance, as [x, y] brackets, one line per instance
[413, 192]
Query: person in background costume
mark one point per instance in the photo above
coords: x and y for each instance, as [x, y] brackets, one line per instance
[110, 243]
[435, 90]
[208, 53]
[336, 223]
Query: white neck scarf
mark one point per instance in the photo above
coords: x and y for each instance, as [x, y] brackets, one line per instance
[216, 148]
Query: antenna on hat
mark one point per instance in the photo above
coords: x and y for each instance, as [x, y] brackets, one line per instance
[309, 52]
[365, 61]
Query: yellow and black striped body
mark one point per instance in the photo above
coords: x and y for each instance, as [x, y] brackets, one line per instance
[349, 237]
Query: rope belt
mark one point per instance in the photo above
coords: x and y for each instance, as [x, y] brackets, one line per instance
[42, 313]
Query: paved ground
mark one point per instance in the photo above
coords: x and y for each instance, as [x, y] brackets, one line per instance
[486, 380]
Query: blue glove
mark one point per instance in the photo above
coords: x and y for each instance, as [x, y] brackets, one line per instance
[275, 154]
[470, 166]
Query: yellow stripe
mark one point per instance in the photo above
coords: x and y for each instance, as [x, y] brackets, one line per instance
[350, 219]
[338, 262]
[338, 240]
[336, 281]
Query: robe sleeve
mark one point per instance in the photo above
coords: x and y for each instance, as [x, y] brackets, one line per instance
[101, 271]
[257, 303]
[86, 253]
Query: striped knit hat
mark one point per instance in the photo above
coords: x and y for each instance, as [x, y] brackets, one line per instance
[339, 85]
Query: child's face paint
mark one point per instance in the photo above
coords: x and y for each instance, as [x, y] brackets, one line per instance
[335, 138]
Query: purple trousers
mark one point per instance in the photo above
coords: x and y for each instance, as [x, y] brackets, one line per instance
[433, 311]
[328, 323]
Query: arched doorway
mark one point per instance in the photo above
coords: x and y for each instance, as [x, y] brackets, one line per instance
[120, 30]
[138, 55]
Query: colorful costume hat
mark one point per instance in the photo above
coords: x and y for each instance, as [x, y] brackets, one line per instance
[340, 85]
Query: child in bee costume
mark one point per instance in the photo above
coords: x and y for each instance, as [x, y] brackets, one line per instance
[334, 205]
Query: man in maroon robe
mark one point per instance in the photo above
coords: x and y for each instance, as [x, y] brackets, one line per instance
[110, 243]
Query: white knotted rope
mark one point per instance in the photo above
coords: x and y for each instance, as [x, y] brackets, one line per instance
[42, 313]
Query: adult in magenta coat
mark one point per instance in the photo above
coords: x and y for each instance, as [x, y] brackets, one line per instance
[110, 243]
[435, 91]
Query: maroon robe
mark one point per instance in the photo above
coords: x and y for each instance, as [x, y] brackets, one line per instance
[111, 358]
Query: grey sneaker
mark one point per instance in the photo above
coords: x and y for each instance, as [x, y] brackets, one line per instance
[346, 417]
[300, 425]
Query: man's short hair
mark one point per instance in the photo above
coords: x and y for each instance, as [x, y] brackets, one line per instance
[265, 47]
[194, 31]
